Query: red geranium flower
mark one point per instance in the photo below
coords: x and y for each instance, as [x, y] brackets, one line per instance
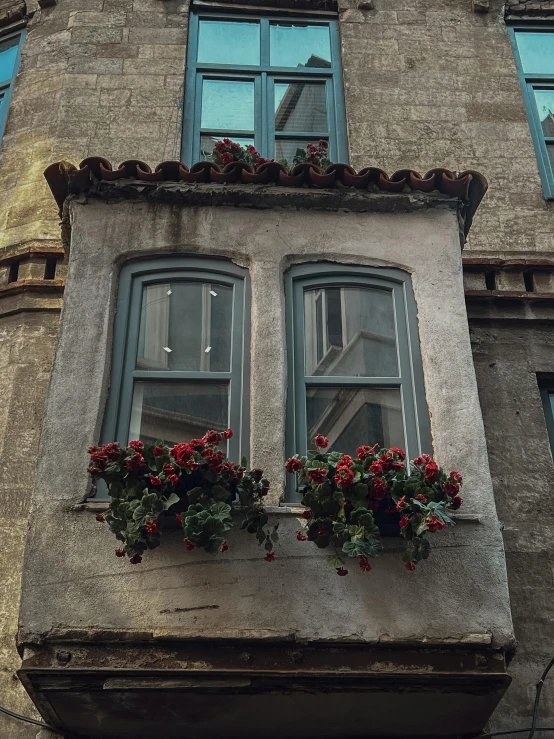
[321, 441]
[158, 451]
[403, 521]
[224, 547]
[410, 566]
[293, 464]
[318, 476]
[300, 536]
[399, 452]
[341, 572]
[155, 480]
[138, 446]
[451, 488]
[227, 434]
[212, 437]
[457, 502]
[189, 545]
[152, 526]
[100, 518]
[421, 498]
[119, 553]
[307, 515]
[400, 503]
[431, 472]
[344, 477]
[269, 557]
[364, 564]
[179, 517]
[137, 559]
[135, 462]
[434, 523]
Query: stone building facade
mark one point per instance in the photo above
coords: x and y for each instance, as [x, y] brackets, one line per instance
[427, 83]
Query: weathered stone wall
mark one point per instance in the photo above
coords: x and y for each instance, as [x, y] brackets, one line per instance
[507, 356]
[26, 348]
[428, 83]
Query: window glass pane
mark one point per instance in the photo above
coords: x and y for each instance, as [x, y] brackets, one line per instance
[350, 332]
[207, 144]
[8, 55]
[229, 42]
[285, 149]
[300, 106]
[536, 51]
[177, 411]
[350, 417]
[545, 106]
[185, 326]
[299, 45]
[227, 105]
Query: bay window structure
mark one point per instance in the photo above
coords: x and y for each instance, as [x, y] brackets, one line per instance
[275, 83]
[9, 66]
[178, 360]
[355, 372]
[534, 55]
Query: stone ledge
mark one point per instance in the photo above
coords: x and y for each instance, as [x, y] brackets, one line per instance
[266, 196]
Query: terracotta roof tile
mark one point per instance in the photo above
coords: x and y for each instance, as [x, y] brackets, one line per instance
[468, 186]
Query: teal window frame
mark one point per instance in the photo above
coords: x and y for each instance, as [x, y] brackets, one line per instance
[263, 76]
[546, 389]
[530, 82]
[6, 85]
[133, 278]
[409, 381]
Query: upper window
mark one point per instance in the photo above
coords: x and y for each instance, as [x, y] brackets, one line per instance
[546, 387]
[355, 371]
[9, 65]
[178, 361]
[270, 82]
[534, 52]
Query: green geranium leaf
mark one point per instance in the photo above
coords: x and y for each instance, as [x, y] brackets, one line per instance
[173, 498]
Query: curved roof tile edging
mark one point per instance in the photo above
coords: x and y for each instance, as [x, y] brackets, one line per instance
[468, 186]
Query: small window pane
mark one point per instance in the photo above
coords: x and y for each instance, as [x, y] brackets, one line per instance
[300, 106]
[299, 45]
[185, 326]
[536, 51]
[177, 411]
[227, 105]
[350, 332]
[350, 417]
[207, 144]
[8, 55]
[224, 42]
[545, 106]
[285, 149]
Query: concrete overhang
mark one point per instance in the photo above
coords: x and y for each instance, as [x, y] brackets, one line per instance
[205, 689]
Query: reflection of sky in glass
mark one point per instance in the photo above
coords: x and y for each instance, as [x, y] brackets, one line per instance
[536, 51]
[291, 46]
[228, 105]
[225, 42]
[7, 60]
[545, 106]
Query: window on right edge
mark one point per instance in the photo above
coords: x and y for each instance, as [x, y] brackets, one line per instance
[534, 55]
[355, 372]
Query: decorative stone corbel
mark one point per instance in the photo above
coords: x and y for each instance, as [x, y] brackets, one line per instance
[480, 6]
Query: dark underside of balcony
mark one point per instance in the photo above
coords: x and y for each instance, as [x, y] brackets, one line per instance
[207, 689]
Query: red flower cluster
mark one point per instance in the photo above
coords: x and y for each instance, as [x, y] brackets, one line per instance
[364, 564]
[321, 442]
[364, 452]
[301, 536]
[434, 523]
[269, 557]
[318, 476]
[152, 527]
[101, 456]
[293, 464]
[227, 151]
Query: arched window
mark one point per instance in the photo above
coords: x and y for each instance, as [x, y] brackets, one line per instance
[355, 372]
[180, 337]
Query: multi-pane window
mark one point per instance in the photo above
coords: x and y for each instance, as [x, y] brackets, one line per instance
[354, 369]
[9, 65]
[272, 82]
[534, 54]
[179, 342]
